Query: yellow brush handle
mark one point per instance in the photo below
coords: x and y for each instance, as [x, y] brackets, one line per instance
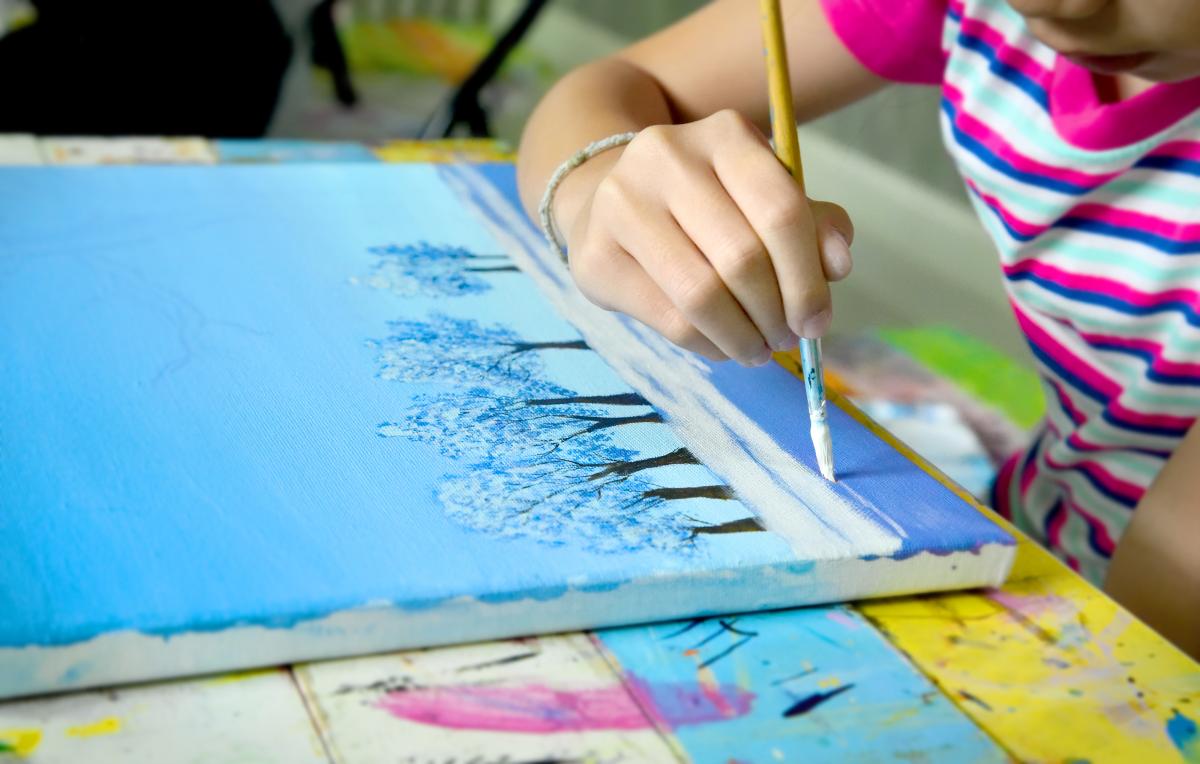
[779, 90]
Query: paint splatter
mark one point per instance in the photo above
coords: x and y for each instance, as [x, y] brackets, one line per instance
[21, 742]
[840, 618]
[242, 676]
[1183, 733]
[109, 725]
[1033, 605]
[809, 702]
[970, 698]
[536, 708]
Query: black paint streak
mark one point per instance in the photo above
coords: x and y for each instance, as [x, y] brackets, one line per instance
[493, 269]
[974, 699]
[499, 661]
[729, 626]
[690, 625]
[725, 652]
[787, 679]
[806, 704]
[617, 399]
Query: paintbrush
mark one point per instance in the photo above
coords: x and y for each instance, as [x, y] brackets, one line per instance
[787, 148]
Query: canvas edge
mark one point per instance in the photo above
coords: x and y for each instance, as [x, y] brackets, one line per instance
[129, 656]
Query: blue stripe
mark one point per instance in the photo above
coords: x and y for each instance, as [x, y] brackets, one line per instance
[1004, 71]
[1173, 164]
[1068, 376]
[1149, 359]
[1161, 243]
[1048, 520]
[1124, 501]
[1100, 228]
[988, 157]
[1146, 429]
[1062, 405]
[1013, 232]
[1108, 301]
[1065, 374]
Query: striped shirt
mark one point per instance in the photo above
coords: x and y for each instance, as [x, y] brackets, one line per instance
[1094, 209]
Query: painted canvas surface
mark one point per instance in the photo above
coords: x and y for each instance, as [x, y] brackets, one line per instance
[260, 414]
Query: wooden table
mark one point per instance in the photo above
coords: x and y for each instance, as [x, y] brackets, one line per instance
[1046, 668]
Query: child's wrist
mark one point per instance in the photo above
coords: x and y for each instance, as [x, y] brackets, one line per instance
[576, 190]
[549, 208]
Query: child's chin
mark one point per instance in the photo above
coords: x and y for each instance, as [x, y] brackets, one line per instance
[1166, 67]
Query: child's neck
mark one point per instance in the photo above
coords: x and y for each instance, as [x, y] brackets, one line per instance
[1114, 88]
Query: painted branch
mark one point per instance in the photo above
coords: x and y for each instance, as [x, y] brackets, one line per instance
[605, 422]
[493, 269]
[741, 525]
[691, 492]
[625, 469]
[617, 399]
[524, 347]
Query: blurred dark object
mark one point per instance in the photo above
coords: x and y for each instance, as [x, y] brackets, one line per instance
[144, 67]
[327, 51]
[463, 107]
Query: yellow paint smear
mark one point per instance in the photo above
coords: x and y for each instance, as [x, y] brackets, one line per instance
[443, 151]
[21, 742]
[242, 676]
[109, 725]
[1052, 668]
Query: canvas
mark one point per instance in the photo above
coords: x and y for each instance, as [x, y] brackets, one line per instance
[252, 415]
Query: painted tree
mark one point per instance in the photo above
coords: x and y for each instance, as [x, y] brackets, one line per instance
[540, 460]
[542, 420]
[433, 271]
[461, 350]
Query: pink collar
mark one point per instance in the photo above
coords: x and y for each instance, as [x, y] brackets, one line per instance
[1083, 120]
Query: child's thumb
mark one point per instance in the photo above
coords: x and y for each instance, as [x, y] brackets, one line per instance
[835, 233]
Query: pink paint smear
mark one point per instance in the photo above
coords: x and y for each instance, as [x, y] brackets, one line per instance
[537, 708]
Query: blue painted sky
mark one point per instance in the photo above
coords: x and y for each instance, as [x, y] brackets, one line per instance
[188, 405]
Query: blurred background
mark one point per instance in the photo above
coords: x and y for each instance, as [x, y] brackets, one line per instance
[923, 333]
[362, 70]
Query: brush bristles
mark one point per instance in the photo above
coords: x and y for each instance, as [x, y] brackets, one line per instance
[823, 445]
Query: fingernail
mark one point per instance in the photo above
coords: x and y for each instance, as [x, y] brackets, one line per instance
[763, 358]
[817, 325]
[837, 255]
[786, 342]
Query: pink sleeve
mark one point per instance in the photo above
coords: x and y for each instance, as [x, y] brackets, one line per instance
[900, 40]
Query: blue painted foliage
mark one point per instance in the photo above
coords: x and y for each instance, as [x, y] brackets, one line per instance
[541, 460]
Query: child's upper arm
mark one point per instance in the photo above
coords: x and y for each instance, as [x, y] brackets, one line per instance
[838, 51]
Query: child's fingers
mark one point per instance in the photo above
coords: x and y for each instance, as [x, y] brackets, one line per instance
[617, 282]
[670, 258]
[835, 231]
[715, 224]
[779, 213]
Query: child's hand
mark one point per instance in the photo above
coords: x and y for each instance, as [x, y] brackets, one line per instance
[699, 232]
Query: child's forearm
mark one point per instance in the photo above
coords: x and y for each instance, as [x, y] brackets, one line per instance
[1156, 569]
[603, 98]
[710, 61]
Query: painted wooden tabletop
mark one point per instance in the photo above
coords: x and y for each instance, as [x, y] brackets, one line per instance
[1045, 668]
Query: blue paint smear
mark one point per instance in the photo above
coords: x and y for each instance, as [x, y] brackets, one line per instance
[281, 150]
[825, 686]
[1183, 733]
